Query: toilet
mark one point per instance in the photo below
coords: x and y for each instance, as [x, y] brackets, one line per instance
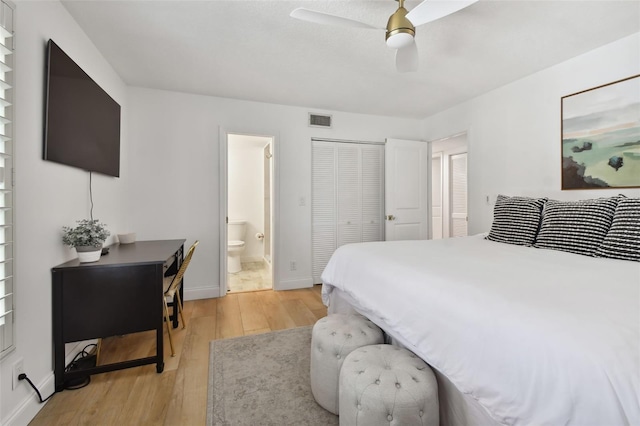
[235, 245]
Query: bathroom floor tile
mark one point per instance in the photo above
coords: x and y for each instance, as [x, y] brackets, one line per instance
[254, 276]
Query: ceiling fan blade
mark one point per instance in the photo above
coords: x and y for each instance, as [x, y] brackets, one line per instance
[407, 58]
[327, 19]
[430, 10]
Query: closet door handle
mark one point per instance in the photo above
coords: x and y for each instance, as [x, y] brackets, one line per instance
[390, 217]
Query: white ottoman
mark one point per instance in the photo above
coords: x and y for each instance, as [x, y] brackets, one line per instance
[332, 339]
[387, 385]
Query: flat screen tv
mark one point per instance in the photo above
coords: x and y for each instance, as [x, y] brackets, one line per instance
[82, 122]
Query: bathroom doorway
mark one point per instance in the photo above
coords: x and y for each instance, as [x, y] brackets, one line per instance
[249, 245]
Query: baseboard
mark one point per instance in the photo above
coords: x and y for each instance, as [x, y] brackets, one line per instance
[30, 405]
[294, 284]
[211, 292]
[201, 293]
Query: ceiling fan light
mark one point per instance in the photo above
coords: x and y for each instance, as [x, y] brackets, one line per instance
[399, 39]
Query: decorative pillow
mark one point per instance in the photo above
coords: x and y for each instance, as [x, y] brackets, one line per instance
[576, 226]
[623, 239]
[516, 220]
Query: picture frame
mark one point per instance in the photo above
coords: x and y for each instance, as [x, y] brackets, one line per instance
[600, 136]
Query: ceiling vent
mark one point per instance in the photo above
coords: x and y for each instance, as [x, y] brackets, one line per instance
[317, 120]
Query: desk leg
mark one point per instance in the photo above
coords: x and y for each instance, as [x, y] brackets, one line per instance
[160, 348]
[58, 337]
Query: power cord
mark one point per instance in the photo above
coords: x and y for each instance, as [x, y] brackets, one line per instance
[71, 385]
[82, 360]
[91, 195]
[23, 376]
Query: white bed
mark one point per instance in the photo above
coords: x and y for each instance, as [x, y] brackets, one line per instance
[517, 335]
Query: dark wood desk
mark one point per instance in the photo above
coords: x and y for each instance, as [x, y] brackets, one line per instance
[119, 294]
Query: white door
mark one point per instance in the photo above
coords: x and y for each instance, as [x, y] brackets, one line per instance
[323, 206]
[458, 198]
[348, 194]
[449, 187]
[346, 199]
[437, 208]
[372, 192]
[406, 190]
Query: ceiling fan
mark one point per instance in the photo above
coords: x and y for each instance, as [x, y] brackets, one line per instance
[401, 27]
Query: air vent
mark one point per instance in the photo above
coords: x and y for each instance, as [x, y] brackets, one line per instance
[317, 120]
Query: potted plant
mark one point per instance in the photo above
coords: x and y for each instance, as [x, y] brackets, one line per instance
[87, 238]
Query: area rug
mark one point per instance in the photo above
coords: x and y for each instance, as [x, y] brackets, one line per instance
[263, 380]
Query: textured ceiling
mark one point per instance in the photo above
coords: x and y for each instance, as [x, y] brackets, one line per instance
[253, 50]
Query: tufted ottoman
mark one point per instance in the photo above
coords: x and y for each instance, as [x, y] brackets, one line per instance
[332, 339]
[387, 385]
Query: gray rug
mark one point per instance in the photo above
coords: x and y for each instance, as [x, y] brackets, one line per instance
[263, 380]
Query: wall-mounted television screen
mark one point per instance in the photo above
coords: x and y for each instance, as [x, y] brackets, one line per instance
[82, 122]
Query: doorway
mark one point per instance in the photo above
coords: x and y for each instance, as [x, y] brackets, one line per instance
[449, 213]
[249, 188]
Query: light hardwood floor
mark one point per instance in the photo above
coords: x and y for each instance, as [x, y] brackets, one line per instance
[178, 396]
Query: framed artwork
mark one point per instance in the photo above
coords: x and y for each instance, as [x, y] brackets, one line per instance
[601, 136]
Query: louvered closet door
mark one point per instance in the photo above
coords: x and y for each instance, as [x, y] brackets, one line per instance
[323, 206]
[349, 207]
[458, 182]
[347, 199]
[372, 164]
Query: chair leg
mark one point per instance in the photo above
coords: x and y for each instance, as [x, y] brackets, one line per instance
[166, 313]
[184, 323]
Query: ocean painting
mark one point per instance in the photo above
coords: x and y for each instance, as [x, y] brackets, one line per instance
[601, 136]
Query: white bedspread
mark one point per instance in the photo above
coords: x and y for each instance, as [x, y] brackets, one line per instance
[537, 337]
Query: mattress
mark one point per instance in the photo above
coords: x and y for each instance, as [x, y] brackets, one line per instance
[532, 336]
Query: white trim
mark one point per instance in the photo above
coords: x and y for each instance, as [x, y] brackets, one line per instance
[275, 212]
[222, 288]
[201, 293]
[347, 141]
[295, 284]
[30, 406]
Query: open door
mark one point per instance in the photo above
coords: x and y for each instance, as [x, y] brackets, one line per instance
[449, 187]
[406, 190]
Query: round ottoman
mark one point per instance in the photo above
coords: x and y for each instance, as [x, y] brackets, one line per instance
[332, 339]
[387, 385]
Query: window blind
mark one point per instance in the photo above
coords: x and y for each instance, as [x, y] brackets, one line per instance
[6, 178]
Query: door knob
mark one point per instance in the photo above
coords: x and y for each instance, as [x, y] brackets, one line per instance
[390, 217]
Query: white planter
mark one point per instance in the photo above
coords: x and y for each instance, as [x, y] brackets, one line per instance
[88, 254]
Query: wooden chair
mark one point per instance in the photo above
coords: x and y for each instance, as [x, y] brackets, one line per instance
[172, 285]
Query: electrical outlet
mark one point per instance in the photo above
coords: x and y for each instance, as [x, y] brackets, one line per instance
[18, 369]
[292, 265]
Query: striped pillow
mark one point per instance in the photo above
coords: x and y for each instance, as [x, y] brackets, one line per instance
[576, 226]
[516, 220]
[623, 239]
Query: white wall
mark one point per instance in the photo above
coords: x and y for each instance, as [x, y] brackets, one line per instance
[514, 131]
[49, 195]
[169, 186]
[175, 172]
[246, 190]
